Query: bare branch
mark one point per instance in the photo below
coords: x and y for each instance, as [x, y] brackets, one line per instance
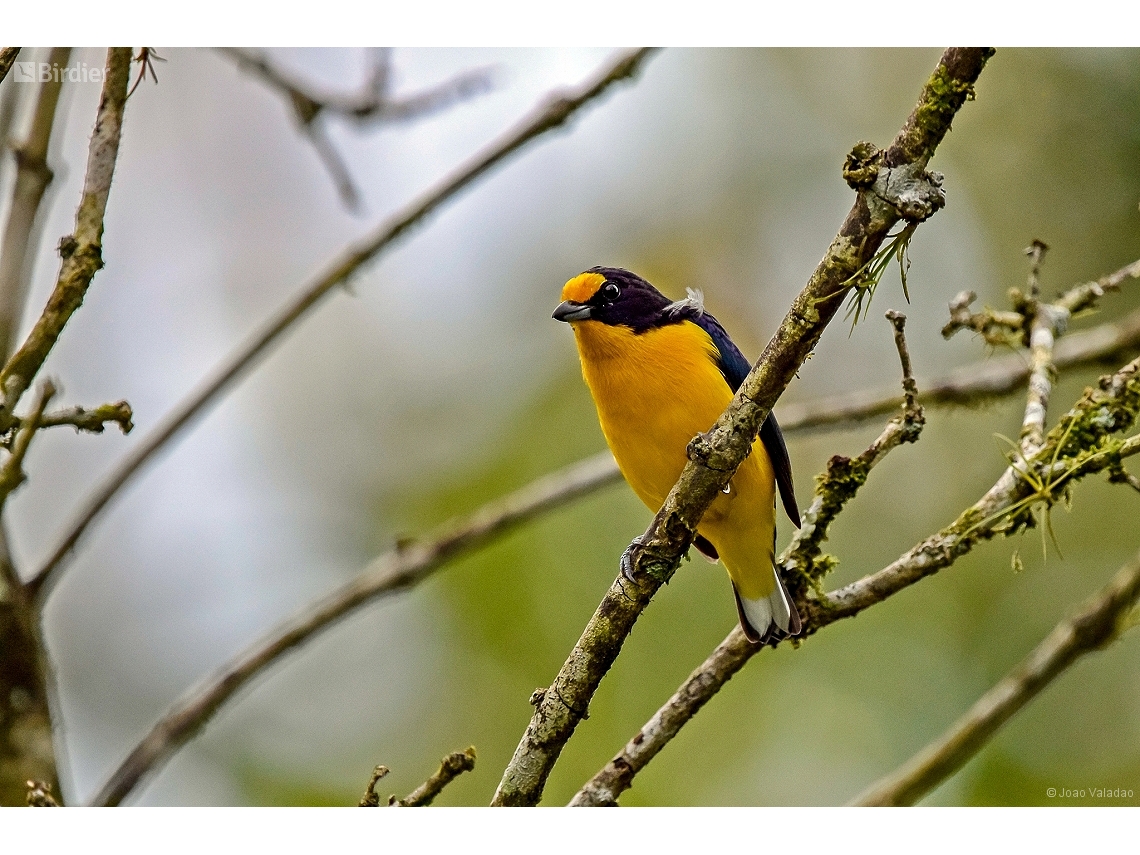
[92, 421]
[398, 569]
[453, 765]
[12, 472]
[7, 57]
[1095, 626]
[450, 768]
[82, 251]
[554, 112]
[370, 798]
[33, 175]
[374, 104]
[901, 188]
[1082, 297]
[997, 328]
[970, 384]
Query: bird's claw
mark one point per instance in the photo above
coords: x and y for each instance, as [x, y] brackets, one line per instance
[627, 559]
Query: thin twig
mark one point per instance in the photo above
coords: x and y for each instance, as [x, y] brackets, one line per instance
[554, 112]
[1046, 324]
[374, 104]
[1101, 413]
[12, 472]
[398, 569]
[971, 384]
[33, 175]
[801, 565]
[1036, 252]
[11, 476]
[82, 251]
[92, 421]
[1095, 626]
[452, 766]
[900, 189]
[370, 797]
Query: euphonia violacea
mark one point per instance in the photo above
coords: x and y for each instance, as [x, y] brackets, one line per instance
[661, 372]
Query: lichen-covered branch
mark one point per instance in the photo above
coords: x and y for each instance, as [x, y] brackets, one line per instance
[33, 175]
[26, 748]
[554, 112]
[801, 566]
[82, 251]
[1096, 625]
[892, 185]
[1081, 445]
[407, 564]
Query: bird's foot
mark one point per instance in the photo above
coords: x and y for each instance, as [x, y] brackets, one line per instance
[628, 556]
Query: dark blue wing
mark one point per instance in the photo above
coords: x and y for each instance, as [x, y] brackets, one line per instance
[735, 368]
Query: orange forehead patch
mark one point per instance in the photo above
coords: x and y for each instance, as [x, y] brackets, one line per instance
[582, 287]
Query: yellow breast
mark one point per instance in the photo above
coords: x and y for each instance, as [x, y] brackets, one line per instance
[654, 392]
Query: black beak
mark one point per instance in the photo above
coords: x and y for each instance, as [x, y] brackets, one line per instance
[571, 311]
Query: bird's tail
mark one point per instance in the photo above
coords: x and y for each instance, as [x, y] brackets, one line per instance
[766, 618]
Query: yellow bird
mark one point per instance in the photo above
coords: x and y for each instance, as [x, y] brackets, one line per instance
[661, 372]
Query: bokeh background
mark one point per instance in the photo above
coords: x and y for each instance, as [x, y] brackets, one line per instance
[438, 381]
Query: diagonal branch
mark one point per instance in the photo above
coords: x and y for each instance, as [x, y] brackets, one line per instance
[374, 104]
[892, 185]
[81, 251]
[452, 766]
[554, 112]
[1098, 624]
[33, 176]
[1100, 413]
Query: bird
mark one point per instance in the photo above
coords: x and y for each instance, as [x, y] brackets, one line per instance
[660, 373]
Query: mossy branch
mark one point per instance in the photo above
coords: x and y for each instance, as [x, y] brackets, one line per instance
[1096, 625]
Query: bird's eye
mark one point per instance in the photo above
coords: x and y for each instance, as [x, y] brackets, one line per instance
[610, 292]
